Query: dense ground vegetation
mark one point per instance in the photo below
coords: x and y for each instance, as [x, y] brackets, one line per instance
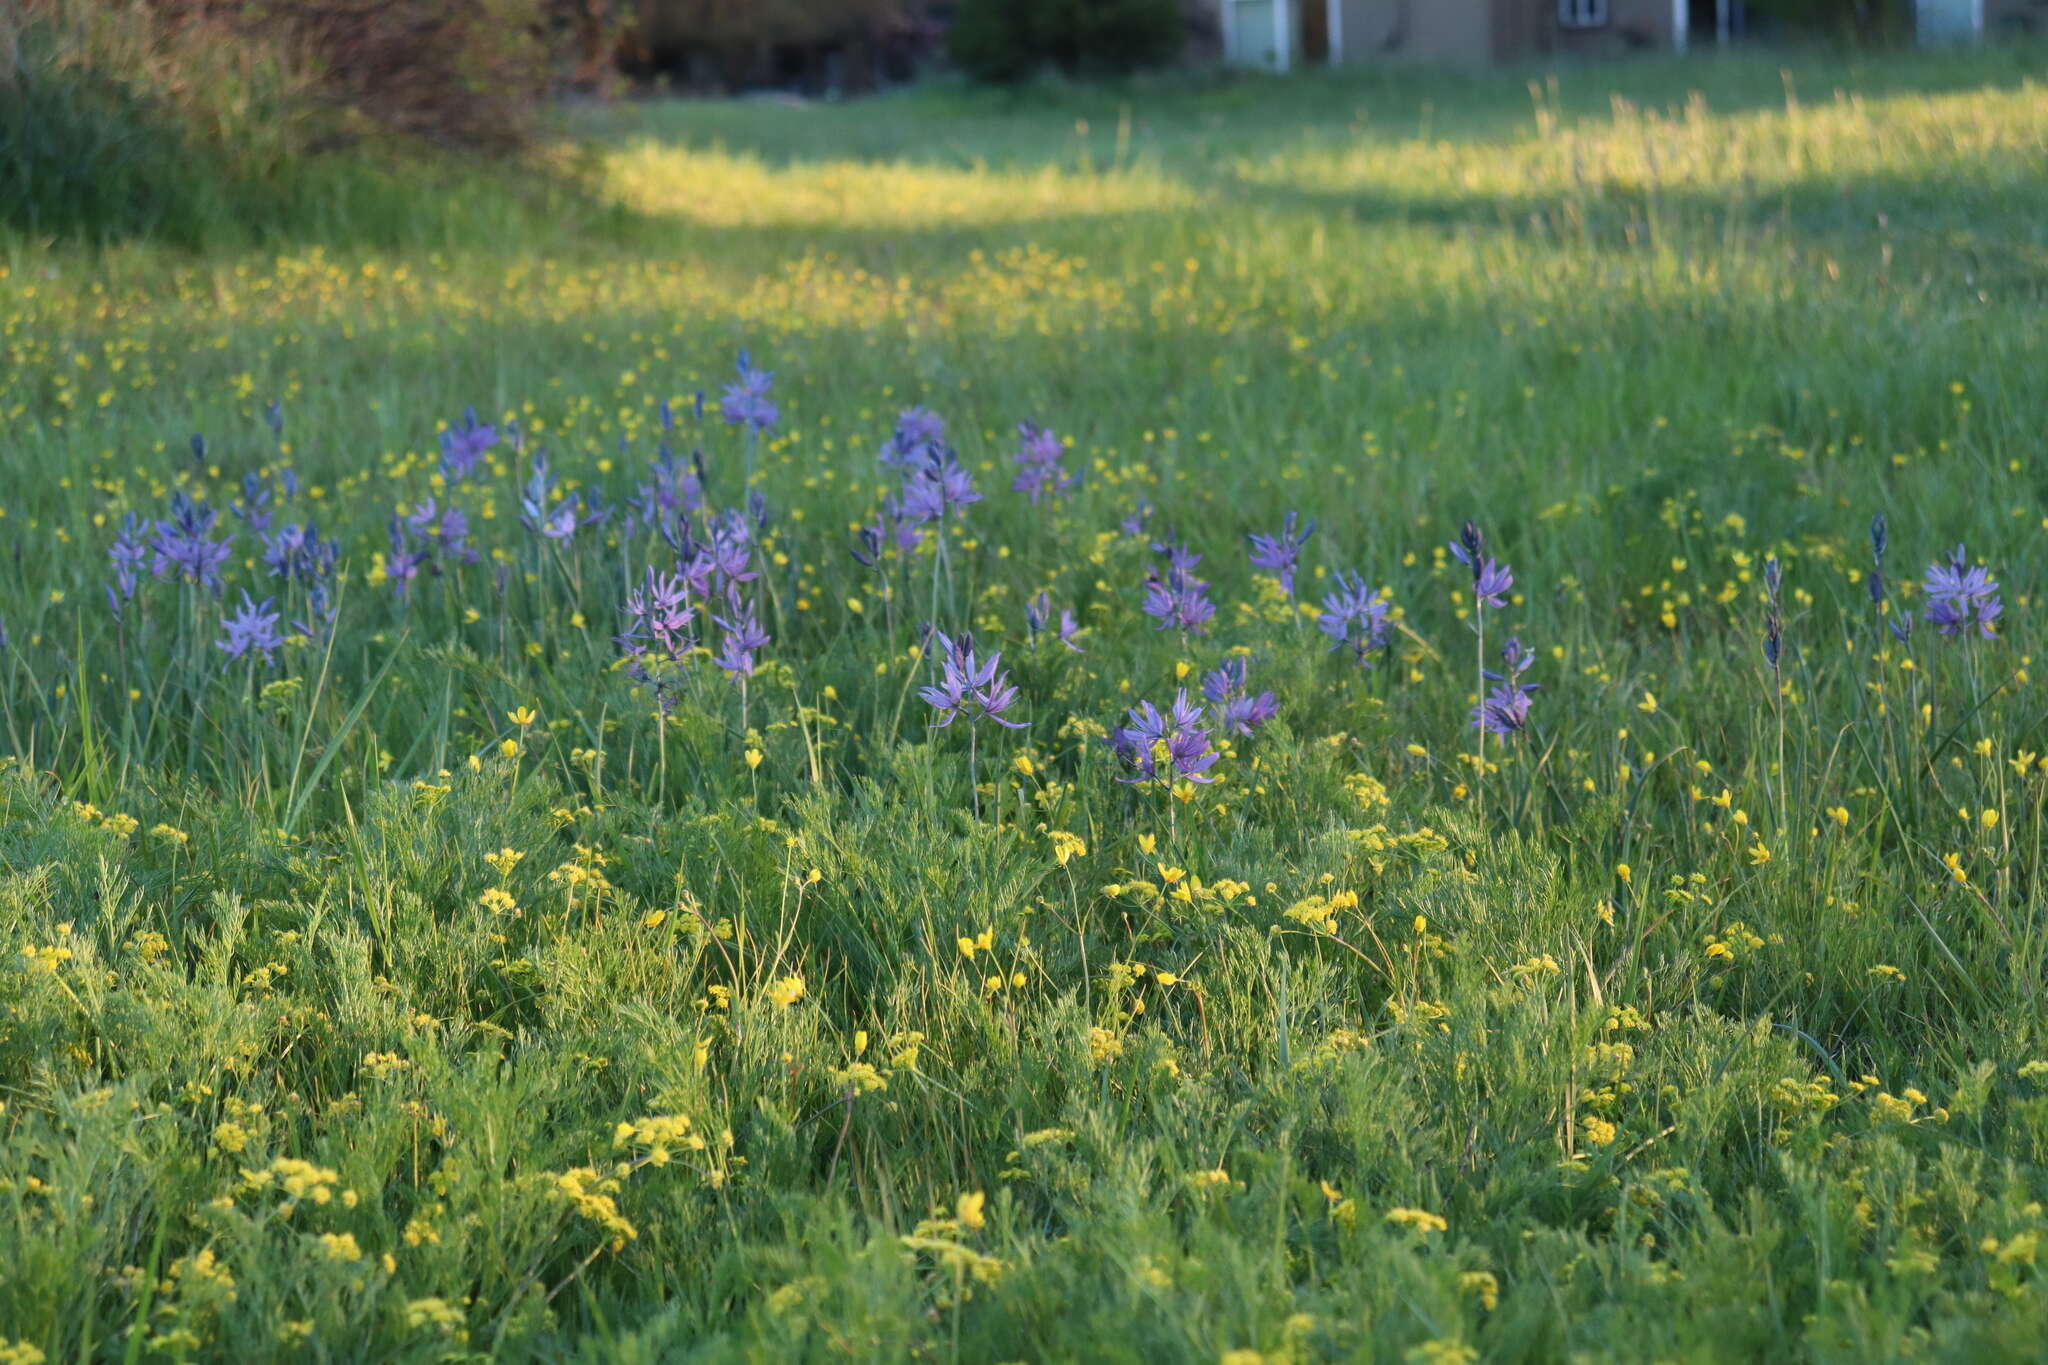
[490, 884]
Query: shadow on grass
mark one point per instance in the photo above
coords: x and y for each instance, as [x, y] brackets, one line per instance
[1186, 120]
[98, 164]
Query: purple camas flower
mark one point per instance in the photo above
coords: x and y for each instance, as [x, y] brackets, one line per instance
[295, 552]
[698, 568]
[321, 613]
[1355, 614]
[252, 509]
[184, 547]
[405, 563]
[1960, 595]
[1238, 708]
[1491, 579]
[1504, 712]
[572, 514]
[1179, 558]
[445, 529]
[920, 435]
[253, 629]
[730, 550]
[1038, 618]
[1069, 628]
[743, 638]
[1774, 622]
[1164, 748]
[126, 554]
[894, 531]
[659, 614]
[1178, 600]
[464, 445]
[1491, 582]
[1136, 520]
[1899, 623]
[745, 401]
[537, 495]
[1280, 555]
[937, 485]
[1038, 457]
[555, 518]
[676, 488]
[969, 687]
[659, 634]
[1505, 709]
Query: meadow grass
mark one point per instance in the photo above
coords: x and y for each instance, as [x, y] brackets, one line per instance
[452, 986]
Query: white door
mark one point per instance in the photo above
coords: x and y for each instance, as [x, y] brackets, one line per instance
[1256, 33]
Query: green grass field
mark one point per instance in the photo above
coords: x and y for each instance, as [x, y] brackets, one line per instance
[448, 985]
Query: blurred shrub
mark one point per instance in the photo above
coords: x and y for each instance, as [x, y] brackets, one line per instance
[1010, 40]
[736, 44]
[114, 123]
[469, 73]
[732, 22]
[189, 120]
[1865, 21]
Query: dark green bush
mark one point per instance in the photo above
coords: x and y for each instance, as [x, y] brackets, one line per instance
[194, 120]
[113, 124]
[465, 73]
[1863, 21]
[1011, 40]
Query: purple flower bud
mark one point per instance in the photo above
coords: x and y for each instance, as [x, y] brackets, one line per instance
[1491, 579]
[1281, 554]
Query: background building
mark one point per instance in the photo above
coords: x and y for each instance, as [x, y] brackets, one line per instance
[1282, 34]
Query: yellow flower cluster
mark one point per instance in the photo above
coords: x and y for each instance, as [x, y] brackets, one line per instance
[1421, 1220]
[595, 1197]
[656, 1136]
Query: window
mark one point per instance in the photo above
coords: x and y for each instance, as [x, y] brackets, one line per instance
[1581, 13]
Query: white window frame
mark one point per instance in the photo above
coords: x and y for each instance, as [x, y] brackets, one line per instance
[1582, 14]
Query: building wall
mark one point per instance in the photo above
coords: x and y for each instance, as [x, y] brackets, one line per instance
[1418, 30]
[1632, 26]
[1477, 31]
[1473, 32]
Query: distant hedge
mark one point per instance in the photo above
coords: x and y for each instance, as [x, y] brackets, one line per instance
[1854, 20]
[727, 22]
[175, 118]
[470, 73]
[1012, 40]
